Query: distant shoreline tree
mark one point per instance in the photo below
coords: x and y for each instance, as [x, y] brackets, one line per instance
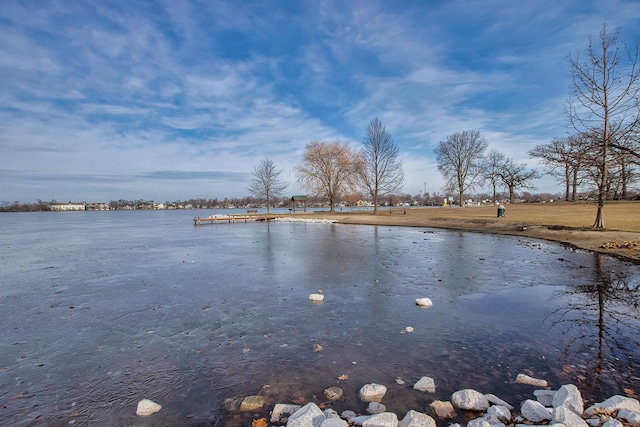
[493, 163]
[266, 183]
[460, 159]
[379, 170]
[515, 176]
[328, 169]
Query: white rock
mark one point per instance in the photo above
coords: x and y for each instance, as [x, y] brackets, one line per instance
[614, 403]
[147, 407]
[307, 416]
[545, 396]
[376, 408]
[526, 379]
[424, 302]
[498, 413]
[479, 422]
[386, 419]
[470, 399]
[281, 409]
[629, 417]
[334, 422]
[533, 411]
[316, 297]
[567, 417]
[570, 397]
[372, 392]
[425, 384]
[417, 419]
[495, 400]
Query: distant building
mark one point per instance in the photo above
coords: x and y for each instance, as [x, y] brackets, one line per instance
[60, 207]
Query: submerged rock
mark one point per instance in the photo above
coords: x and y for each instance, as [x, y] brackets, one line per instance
[147, 407]
[372, 392]
[443, 410]
[376, 408]
[251, 403]
[333, 393]
[526, 379]
[425, 384]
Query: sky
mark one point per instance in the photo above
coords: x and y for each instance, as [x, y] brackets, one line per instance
[178, 99]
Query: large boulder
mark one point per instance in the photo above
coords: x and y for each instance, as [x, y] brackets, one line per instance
[563, 415]
[372, 392]
[443, 410]
[533, 411]
[417, 419]
[498, 413]
[545, 396]
[631, 418]
[470, 399]
[307, 416]
[386, 419]
[570, 397]
[613, 404]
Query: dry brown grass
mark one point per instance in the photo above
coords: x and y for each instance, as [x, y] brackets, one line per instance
[618, 216]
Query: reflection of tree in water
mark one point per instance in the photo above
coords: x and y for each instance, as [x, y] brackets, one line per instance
[601, 321]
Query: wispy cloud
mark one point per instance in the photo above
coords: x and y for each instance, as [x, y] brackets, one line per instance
[98, 99]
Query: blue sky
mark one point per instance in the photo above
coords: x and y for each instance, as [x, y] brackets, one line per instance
[177, 99]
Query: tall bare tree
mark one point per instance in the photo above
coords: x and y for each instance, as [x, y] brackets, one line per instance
[266, 183]
[606, 89]
[328, 169]
[459, 160]
[379, 170]
[516, 176]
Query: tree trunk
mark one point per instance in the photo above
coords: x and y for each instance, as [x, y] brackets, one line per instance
[375, 203]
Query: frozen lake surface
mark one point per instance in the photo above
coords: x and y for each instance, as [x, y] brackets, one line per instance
[102, 309]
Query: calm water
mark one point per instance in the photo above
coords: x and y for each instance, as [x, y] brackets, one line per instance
[101, 309]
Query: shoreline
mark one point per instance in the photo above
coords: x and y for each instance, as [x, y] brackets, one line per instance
[622, 244]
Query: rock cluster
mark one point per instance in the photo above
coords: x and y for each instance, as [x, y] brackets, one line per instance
[559, 408]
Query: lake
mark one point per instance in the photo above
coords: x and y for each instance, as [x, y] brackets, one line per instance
[102, 309]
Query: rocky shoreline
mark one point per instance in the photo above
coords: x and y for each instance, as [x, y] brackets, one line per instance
[562, 407]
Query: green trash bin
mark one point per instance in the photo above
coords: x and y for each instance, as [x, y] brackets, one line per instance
[501, 211]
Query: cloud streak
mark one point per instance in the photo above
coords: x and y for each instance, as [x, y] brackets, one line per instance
[173, 100]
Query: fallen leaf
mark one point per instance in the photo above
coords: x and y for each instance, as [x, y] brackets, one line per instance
[260, 422]
[17, 395]
[343, 377]
[317, 348]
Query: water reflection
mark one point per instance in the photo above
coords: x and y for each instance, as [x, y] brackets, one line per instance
[601, 320]
[98, 314]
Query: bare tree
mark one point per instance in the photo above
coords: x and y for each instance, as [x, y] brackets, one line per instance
[328, 169]
[606, 89]
[459, 160]
[379, 170]
[493, 164]
[515, 176]
[266, 183]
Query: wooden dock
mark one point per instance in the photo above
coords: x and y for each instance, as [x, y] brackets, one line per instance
[214, 219]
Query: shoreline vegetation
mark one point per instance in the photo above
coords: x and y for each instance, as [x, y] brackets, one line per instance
[563, 222]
